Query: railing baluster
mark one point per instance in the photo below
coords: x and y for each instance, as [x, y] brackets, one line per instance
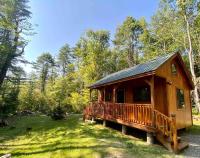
[136, 113]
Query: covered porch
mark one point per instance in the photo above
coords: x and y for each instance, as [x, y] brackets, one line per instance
[149, 90]
[137, 103]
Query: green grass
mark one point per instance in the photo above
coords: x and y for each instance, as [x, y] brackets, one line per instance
[70, 138]
[195, 129]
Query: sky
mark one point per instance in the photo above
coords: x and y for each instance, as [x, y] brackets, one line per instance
[57, 22]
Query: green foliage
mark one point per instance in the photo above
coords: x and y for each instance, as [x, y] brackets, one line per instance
[43, 64]
[58, 113]
[14, 21]
[8, 99]
[63, 79]
[79, 100]
[92, 56]
[127, 41]
[33, 100]
[65, 59]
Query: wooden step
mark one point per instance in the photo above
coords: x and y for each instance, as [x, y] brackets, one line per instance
[182, 145]
[169, 140]
[164, 141]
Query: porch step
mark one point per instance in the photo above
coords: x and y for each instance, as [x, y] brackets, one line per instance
[167, 143]
[164, 141]
[169, 140]
[182, 145]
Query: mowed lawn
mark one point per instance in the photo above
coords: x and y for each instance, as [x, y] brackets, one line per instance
[71, 138]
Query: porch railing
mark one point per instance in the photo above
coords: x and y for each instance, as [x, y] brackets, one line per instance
[141, 114]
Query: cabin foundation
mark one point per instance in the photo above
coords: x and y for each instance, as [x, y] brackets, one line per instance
[150, 138]
[104, 123]
[92, 121]
[124, 129]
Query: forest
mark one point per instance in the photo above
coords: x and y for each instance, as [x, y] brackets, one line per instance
[61, 80]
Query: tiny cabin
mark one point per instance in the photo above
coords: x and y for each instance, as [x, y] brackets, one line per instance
[153, 97]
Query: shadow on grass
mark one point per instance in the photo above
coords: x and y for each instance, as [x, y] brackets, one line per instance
[53, 148]
[73, 135]
[38, 124]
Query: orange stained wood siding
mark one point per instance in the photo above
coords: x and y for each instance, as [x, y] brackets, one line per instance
[161, 95]
[174, 81]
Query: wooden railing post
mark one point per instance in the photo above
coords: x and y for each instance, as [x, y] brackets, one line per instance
[174, 132]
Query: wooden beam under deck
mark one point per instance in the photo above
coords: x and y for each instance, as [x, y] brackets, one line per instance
[131, 124]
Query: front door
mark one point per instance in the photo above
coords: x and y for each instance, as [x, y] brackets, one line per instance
[120, 95]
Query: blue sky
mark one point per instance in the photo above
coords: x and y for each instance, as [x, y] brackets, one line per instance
[64, 21]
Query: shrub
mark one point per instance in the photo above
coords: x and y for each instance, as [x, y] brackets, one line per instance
[58, 113]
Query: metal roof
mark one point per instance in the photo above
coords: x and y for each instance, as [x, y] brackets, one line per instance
[135, 70]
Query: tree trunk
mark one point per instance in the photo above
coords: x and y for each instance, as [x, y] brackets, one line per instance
[4, 70]
[191, 61]
[44, 78]
[10, 55]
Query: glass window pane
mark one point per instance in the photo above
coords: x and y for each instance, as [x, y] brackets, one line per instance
[173, 68]
[180, 99]
[141, 94]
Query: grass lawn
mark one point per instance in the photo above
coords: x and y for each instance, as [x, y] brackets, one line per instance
[195, 129]
[71, 138]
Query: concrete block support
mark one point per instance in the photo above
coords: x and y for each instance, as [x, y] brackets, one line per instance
[150, 138]
[104, 123]
[92, 121]
[124, 129]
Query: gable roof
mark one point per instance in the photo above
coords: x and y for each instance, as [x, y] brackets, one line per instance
[149, 66]
[141, 69]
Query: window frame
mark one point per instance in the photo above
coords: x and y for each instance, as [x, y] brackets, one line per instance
[180, 107]
[147, 100]
[173, 69]
[108, 95]
[124, 94]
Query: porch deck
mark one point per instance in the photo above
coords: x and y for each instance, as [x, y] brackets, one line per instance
[141, 116]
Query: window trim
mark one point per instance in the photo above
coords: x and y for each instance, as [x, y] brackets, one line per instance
[120, 88]
[108, 92]
[184, 105]
[148, 101]
[173, 65]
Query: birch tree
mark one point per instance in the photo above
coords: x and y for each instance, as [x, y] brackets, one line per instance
[187, 9]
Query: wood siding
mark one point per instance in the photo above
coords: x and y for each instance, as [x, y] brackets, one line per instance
[165, 97]
[174, 81]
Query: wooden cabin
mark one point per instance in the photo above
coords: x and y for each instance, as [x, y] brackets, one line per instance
[153, 97]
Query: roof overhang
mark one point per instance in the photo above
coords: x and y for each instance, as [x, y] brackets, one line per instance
[150, 73]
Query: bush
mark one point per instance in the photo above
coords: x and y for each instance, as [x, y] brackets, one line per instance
[58, 113]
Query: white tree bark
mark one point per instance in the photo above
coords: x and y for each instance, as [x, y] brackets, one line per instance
[191, 61]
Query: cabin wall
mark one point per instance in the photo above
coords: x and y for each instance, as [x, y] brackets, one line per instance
[160, 95]
[173, 81]
[128, 86]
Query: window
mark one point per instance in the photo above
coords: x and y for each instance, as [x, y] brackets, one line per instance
[180, 98]
[141, 94]
[120, 95]
[173, 69]
[108, 95]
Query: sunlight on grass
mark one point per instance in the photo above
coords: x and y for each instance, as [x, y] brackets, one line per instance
[195, 129]
[70, 138]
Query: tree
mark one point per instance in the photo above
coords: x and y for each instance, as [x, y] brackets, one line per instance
[65, 58]
[174, 27]
[43, 64]
[27, 94]
[127, 40]
[14, 16]
[92, 53]
[187, 10]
